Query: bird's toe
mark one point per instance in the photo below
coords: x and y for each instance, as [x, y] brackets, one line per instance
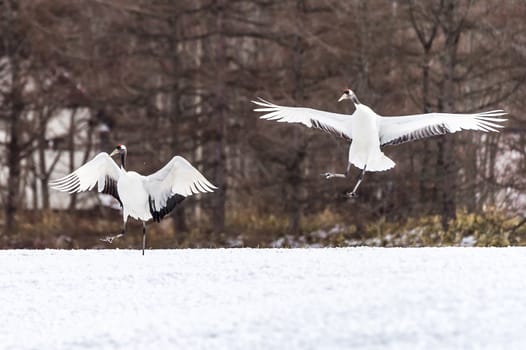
[110, 239]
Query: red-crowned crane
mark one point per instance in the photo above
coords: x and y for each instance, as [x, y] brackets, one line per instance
[141, 197]
[368, 131]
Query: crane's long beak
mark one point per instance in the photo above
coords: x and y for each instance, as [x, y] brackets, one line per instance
[344, 97]
[115, 151]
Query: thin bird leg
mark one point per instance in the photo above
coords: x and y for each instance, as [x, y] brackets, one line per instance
[143, 236]
[331, 175]
[360, 179]
[110, 239]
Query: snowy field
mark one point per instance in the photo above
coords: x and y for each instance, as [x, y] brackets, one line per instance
[355, 298]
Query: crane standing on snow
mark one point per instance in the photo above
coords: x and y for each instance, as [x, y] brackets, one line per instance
[369, 131]
[141, 197]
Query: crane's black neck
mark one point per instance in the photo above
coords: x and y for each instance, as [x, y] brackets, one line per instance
[123, 159]
[354, 99]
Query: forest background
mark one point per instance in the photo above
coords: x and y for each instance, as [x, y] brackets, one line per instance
[177, 77]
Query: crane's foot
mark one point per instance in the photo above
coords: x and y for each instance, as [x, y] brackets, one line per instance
[332, 175]
[351, 194]
[110, 239]
[328, 175]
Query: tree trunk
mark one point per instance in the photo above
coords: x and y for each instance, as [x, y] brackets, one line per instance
[175, 111]
[448, 180]
[43, 174]
[13, 164]
[218, 215]
[294, 169]
[71, 152]
[424, 172]
[15, 107]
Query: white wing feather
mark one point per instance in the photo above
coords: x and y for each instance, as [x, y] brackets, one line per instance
[87, 176]
[396, 130]
[336, 124]
[178, 176]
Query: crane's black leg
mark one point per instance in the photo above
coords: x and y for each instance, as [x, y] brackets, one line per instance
[110, 239]
[331, 175]
[360, 179]
[143, 236]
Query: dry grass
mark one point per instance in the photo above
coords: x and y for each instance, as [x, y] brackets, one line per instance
[66, 230]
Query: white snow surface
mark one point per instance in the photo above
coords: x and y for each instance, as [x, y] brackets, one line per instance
[348, 298]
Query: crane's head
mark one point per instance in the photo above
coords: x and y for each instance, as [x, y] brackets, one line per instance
[120, 149]
[348, 94]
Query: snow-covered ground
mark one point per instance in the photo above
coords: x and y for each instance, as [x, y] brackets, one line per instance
[353, 298]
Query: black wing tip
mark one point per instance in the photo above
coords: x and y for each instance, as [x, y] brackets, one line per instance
[171, 203]
[110, 187]
[329, 129]
[422, 133]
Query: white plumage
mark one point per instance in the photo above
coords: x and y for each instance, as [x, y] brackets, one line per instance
[141, 197]
[368, 131]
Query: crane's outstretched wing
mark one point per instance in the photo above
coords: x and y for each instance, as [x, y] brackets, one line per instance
[397, 130]
[101, 169]
[172, 184]
[333, 123]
